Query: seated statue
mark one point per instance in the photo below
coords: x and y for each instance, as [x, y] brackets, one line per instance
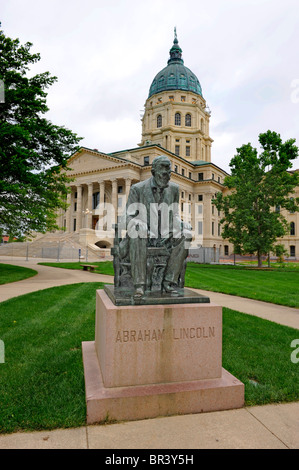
[154, 226]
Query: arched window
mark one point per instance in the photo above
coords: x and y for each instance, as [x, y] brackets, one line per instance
[177, 119]
[188, 120]
[292, 228]
[171, 79]
[159, 120]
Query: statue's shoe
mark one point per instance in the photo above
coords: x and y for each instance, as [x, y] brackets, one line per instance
[169, 289]
[139, 292]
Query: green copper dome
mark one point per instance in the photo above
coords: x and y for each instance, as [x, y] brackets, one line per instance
[175, 76]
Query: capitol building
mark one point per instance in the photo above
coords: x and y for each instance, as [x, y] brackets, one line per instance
[175, 123]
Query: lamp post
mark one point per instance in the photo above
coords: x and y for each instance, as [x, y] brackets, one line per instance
[86, 213]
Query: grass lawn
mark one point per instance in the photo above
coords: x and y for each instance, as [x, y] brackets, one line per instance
[275, 286]
[278, 285]
[42, 379]
[11, 273]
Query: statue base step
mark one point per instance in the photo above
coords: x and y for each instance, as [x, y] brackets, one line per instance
[153, 400]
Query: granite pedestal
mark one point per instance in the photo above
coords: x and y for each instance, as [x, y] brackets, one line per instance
[156, 360]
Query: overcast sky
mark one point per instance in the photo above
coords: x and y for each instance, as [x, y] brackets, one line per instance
[106, 54]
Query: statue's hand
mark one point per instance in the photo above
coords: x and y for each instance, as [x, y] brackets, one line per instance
[187, 230]
[137, 228]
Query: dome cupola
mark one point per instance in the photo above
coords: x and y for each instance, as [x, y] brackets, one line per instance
[175, 76]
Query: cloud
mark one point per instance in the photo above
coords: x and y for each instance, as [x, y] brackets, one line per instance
[105, 55]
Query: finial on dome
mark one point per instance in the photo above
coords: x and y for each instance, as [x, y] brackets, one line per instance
[175, 51]
[175, 41]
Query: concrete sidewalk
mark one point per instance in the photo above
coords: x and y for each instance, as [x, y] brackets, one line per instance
[260, 427]
[46, 277]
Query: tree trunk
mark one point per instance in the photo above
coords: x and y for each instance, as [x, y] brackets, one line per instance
[259, 260]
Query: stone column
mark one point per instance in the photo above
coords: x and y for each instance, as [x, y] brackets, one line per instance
[68, 212]
[128, 182]
[114, 200]
[79, 208]
[89, 206]
[207, 216]
[102, 199]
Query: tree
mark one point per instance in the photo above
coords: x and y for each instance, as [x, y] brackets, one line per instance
[33, 151]
[259, 188]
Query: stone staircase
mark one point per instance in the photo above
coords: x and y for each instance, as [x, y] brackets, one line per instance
[55, 246]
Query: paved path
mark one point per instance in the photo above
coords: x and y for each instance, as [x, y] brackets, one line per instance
[259, 427]
[46, 277]
[51, 277]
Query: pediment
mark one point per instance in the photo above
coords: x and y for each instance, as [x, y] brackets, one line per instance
[85, 161]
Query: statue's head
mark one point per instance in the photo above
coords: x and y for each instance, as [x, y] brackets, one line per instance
[161, 170]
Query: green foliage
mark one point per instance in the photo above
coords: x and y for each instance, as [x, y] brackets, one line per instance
[33, 151]
[259, 186]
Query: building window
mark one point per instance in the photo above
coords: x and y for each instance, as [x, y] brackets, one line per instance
[183, 99]
[213, 224]
[145, 161]
[292, 228]
[75, 225]
[199, 209]
[291, 199]
[171, 98]
[199, 227]
[190, 175]
[219, 230]
[188, 120]
[213, 176]
[177, 119]
[189, 197]
[75, 207]
[277, 209]
[183, 172]
[293, 251]
[161, 82]
[200, 197]
[175, 168]
[182, 194]
[200, 176]
[159, 120]
[120, 189]
[213, 209]
[177, 150]
[187, 150]
[76, 194]
[202, 125]
[226, 252]
[171, 79]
